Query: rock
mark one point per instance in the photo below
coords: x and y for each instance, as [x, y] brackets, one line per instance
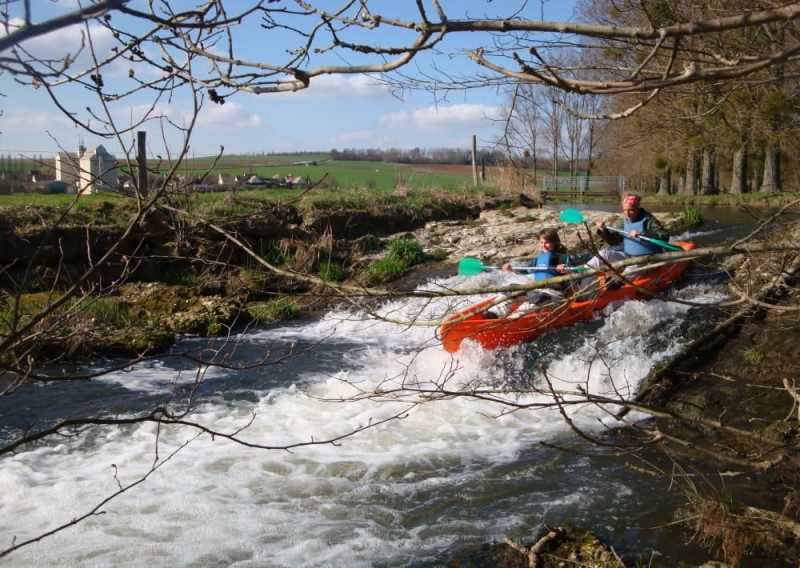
[510, 233]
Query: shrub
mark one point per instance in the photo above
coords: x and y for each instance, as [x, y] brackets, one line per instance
[409, 251]
[330, 271]
[692, 216]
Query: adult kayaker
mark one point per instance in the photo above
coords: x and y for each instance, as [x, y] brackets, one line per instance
[636, 222]
[553, 257]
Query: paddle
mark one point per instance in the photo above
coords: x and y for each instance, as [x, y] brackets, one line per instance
[574, 216]
[470, 266]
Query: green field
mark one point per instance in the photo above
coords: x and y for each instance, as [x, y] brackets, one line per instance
[343, 185]
[341, 174]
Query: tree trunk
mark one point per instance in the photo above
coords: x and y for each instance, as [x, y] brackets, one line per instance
[708, 181]
[664, 181]
[739, 171]
[590, 149]
[772, 174]
[692, 173]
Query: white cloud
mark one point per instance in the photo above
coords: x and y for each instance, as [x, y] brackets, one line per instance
[230, 116]
[24, 131]
[350, 137]
[398, 119]
[68, 41]
[13, 119]
[436, 117]
[337, 86]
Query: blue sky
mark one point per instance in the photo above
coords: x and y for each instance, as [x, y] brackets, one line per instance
[345, 111]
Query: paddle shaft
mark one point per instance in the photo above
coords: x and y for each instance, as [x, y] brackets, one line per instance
[657, 242]
[471, 266]
[574, 216]
[537, 268]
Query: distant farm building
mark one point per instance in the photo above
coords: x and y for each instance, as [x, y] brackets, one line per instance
[87, 170]
[255, 180]
[227, 180]
[289, 180]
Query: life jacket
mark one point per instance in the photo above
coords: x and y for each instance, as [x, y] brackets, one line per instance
[637, 247]
[549, 259]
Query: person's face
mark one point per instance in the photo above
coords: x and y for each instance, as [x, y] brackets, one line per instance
[545, 245]
[630, 211]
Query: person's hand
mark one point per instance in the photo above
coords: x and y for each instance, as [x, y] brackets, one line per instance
[601, 226]
[507, 267]
[561, 268]
[634, 233]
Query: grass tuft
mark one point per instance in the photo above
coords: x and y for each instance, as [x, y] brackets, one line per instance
[407, 250]
[330, 271]
[753, 356]
[385, 269]
[279, 309]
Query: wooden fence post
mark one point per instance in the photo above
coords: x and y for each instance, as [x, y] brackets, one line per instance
[474, 161]
[141, 159]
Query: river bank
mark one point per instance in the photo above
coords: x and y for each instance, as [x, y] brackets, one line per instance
[211, 279]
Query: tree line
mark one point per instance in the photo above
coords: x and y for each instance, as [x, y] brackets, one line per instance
[456, 156]
[722, 133]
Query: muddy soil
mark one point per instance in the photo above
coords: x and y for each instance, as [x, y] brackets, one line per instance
[745, 387]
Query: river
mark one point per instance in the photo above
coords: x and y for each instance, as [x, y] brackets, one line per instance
[449, 474]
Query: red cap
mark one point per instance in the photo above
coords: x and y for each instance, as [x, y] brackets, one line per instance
[634, 200]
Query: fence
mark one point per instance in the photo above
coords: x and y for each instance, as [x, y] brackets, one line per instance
[583, 186]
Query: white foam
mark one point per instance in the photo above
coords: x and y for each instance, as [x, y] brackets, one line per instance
[216, 502]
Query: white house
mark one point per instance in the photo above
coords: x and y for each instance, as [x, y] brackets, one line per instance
[87, 170]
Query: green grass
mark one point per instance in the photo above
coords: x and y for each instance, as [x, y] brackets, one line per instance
[439, 254]
[344, 174]
[110, 311]
[406, 250]
[692, 215]
[279, 309]
[330, 271]
[180, 277]
[401, 253]
[753, 356]
[385, 269]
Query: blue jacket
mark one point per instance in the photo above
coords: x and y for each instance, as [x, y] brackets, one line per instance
[550, 260]
[636, 247]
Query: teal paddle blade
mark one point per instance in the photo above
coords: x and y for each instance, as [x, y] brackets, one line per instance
[470, 266]
[663, 244]
[572, 216]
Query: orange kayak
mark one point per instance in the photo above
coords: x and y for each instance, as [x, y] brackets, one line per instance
[471, 324]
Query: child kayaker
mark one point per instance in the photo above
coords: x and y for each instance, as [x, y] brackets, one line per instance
[552, 260]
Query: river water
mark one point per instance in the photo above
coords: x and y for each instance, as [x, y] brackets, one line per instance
[450, 473]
